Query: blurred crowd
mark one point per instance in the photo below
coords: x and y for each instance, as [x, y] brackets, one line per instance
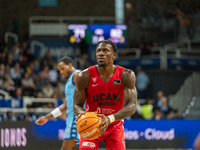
[22, 74]
[21, 71]
[157, 109]
[162, 22]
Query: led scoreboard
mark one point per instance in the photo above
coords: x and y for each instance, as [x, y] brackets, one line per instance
[93, 33]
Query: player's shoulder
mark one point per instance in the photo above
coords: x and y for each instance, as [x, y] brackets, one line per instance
[83, 74]
[128, 77]
[82, 79]
[128, 72]
[76, 73]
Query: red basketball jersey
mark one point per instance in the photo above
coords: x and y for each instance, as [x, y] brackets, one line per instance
[105, 97]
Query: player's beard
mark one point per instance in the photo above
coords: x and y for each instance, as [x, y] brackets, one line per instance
[101, 65]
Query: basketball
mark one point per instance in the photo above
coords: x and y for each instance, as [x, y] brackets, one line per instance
[87, 125]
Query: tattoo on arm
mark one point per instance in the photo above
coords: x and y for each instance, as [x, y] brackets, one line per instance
[130, 95]
[81, 82]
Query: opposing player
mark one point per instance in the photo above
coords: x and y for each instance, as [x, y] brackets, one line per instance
[106, 88]
[72, 138]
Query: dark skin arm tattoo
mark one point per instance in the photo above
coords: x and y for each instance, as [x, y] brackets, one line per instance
[130, 95]
[81, 82]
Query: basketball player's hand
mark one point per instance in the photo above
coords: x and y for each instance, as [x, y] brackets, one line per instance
[41, 121]
[104, 125]
[79, 116]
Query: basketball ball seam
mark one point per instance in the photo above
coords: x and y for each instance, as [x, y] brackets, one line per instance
[91, 125]
[84, 119]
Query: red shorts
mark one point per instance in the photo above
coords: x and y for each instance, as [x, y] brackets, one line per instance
[113, 139]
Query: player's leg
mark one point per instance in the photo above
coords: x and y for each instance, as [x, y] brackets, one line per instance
[72, 138]
[68, 144]
[77, 145]
[116, 140]
[89, 144]
[77, 142]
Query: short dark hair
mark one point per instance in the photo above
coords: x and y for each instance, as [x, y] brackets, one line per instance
[114, 47]
[66, 60]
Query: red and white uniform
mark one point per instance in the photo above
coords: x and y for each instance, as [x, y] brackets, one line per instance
[106, 98]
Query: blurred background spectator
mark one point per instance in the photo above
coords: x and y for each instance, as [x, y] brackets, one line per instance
[142, 82]
[28, 85]
[48, 90]
[9, 117]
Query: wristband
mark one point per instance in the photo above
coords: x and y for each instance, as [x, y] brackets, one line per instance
[56, 112]
[112, 118]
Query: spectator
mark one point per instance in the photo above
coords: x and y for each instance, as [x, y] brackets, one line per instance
[36, 65]
[3, 58]
[30, 69]
[27, 84]
[165, 108]
[9, 117]
[53, 76]
[8, 83]
[16, 51]
[173, 115]
[47, 60]
[15, 74]
[146, 110]
[45, 72]
[24, 46]
[158, 101]
[10, 60]
[48, 57]
[39, 95]
[48, 91]
[29, 57]
[40, 81]
[146, 50]
[18, 93]
[158, 114]
[7, 69]
[2, 70]
[33, 115]
[59, 91]
[142, 82]
[22, 62]
[24, 117]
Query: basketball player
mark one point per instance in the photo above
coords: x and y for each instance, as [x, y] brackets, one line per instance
[65, 65]
[106, 88]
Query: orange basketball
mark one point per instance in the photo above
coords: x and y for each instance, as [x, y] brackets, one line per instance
[87, 125]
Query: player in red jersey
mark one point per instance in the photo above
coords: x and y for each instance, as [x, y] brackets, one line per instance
[106, 88]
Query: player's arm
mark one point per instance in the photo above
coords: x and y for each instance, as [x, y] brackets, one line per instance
[75, 75]
[55, 113]
[81, 82]
[130, 99]
[130, 95]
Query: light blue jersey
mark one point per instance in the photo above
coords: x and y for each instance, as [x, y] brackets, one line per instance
[71, 131]
[69, 92]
